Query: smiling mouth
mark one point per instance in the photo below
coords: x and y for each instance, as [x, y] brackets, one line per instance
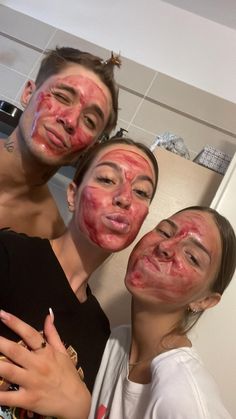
[164, 267]
[151, 264]
[117, 223]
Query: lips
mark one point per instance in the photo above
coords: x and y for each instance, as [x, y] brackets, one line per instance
[117, 223]
[57, 139]
[151, 263]
[155, 265]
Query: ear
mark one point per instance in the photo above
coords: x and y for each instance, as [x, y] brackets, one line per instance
[28, 90]
[71, 196]
[205, 303]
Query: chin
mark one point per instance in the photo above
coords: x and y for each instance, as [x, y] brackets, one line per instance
[107, 241]
[112, 247]
[50, 160]
[44, 156]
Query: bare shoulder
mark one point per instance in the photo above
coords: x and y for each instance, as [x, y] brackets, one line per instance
[35, 213]
[49, 220]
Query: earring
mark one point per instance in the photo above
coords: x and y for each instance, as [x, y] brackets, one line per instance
[70, 206]
[193, 310]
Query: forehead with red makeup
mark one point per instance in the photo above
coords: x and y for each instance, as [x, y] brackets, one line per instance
[135, 161]
[192, 223]
[87, 88]
[199, 227]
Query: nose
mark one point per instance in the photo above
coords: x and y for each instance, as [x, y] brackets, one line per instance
[69, 120]
[166, 249]
[123, 197]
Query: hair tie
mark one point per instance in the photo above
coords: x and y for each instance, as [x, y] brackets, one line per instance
[114, 60]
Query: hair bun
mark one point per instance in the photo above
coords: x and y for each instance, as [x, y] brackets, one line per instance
[114, 60]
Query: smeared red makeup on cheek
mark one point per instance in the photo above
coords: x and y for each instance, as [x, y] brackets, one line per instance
[136, 280]
[89, 93]
[170, 276]
[168, 288]
[94, 206]
[88, 215]
[44, 100]
[81, 139]
[44, 106]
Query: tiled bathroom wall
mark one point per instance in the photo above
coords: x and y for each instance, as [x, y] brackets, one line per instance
[151, 103]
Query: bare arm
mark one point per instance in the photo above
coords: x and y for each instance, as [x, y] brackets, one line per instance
[49, 383]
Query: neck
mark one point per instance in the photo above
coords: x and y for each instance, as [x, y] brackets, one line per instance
[79, 259]
[19, 168]
[150, 329]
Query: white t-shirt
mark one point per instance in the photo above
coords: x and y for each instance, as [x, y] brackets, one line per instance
[180, 387]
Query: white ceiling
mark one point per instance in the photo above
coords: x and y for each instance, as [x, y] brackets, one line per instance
[220, 11]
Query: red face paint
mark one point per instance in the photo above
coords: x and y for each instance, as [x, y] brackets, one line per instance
[71, 110]
[114, 197]
[177, 261]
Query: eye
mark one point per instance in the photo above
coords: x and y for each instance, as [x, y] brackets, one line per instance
[142, 193]
[163, 232]
[193, 260]
[105, 180]
[61, 97]
[90, 122]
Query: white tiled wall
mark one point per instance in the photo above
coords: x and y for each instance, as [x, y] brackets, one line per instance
[151, 103]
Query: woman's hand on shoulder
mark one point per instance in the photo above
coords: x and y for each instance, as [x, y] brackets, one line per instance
[48, 381]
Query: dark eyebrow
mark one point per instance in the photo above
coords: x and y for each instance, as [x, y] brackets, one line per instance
[172, 224]
[69, 89]
[98, 110]
[146, 177]
[73, 92]
[192, 239]
[201, 246]
[116, 167]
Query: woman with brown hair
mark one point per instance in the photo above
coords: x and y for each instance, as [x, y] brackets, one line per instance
[109, 199]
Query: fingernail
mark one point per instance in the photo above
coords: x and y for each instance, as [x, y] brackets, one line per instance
[51, 314]
[4, 315]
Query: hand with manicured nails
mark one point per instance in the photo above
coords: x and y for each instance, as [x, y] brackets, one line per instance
[48, 381]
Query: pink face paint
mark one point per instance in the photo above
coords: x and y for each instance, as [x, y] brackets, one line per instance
[68, 114]
[163, 267]
[133, 160]
[112, 214]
